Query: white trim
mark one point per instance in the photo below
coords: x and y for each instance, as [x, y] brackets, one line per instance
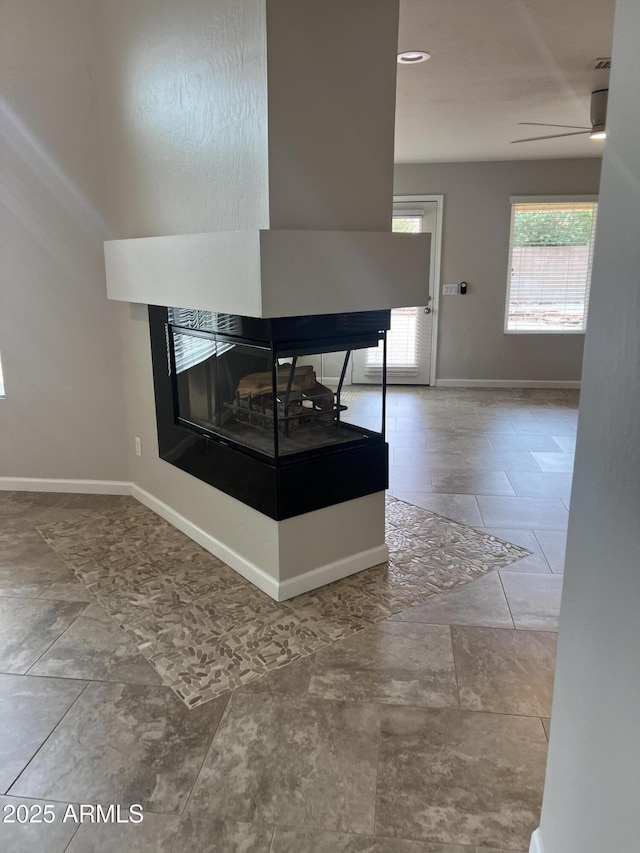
[278, 590]
[244, 567]
[507, 383]
[536, 842]
[333, 572]
[437, 264]
[81, 487]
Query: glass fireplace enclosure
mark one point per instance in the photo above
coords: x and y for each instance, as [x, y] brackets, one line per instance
[263, 410]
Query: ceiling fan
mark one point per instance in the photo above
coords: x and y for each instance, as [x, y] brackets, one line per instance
[598, 121]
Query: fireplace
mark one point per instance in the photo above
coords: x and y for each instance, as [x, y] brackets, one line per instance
[259, 408]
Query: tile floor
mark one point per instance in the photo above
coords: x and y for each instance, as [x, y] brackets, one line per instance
[204, 628]
[425, 733]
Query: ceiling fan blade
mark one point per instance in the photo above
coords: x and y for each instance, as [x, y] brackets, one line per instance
[555, 136]
[545, 124]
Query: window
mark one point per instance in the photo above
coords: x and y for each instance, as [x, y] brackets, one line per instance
[1, 381]
[550, 258]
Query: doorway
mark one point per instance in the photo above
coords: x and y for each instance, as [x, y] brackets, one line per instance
[411, 341]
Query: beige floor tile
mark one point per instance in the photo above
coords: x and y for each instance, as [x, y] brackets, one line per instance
[123, 743]
[464, 441]
[504, 671]
[543, 485]
[460, 508]
[567, 443]
[34, 834]
[554, 546]
[459, 777]
[30, 708]
[311, 841]
[554, 462]
[500, 460]
[290, 680]
[159, 833]
[28, 626]
[536, 562]
[534, 599]
[471, 482]
[551, 426]
[409, 479]
[293, 761]
[496, 850]
[415, 458]
[481, 602]
[524, 442]
[530, 513]
[70, 590]
[98, 650]
[398, 663]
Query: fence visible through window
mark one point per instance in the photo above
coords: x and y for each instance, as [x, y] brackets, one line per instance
[551, 254]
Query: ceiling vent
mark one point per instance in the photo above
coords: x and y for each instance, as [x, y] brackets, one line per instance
[601, 64]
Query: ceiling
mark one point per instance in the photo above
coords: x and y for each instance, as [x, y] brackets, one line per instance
[495, 63]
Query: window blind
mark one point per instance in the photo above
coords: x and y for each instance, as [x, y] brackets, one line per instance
[189, 350]
[551, 255]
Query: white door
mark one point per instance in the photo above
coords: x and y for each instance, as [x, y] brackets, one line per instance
[410, 338]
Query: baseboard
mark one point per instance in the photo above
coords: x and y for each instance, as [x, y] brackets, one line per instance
[244, 567]
[278, 590]
[82, 487]
[536, 842]
[507, 383]
[332, 572]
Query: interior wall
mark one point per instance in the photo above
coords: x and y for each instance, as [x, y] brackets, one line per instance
[183, 153]
[62, 415]
[475, 249]
[331, 113]
[182, 105]
[592, 787]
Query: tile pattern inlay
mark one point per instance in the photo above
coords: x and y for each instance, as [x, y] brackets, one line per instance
[206, 630]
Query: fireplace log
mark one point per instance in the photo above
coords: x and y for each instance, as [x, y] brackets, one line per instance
[304, 379]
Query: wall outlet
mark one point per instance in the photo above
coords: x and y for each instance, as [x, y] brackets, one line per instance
[138, 447]
[450, 289]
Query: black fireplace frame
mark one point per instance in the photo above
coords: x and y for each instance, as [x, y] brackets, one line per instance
[280, 487]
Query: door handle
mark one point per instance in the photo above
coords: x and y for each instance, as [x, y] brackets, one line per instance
[427, 310]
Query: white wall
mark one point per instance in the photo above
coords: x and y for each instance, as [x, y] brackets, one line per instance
[182, 106]
[471, 343]
[592, 789]
[332, 93]
[62, 416]
[184, 146]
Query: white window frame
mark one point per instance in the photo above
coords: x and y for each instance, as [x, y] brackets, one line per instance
[539, 200]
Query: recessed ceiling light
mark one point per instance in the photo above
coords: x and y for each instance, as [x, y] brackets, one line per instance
[412, 57]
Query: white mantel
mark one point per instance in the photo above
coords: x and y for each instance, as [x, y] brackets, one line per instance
[272, 273]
